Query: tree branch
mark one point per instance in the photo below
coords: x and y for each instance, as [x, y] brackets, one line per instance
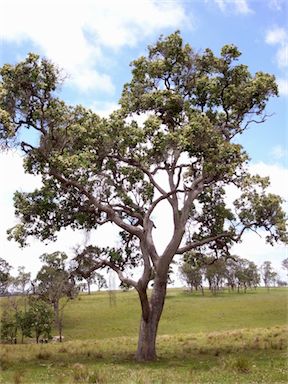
[190, 246]
[105, 208]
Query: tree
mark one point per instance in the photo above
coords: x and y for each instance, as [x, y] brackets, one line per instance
[99, 280]
[246, 274]
[53, 282]
[15, 317]
[87, 273]
[42, 318]
[25, 323]
[192, 270]
[285, 264]
[5, 277]
[116, 170]
[8, 327]
[215, 273]
[269, 276]
[230, 273]
[21, 281]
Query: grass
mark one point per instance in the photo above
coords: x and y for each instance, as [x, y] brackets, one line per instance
[93, 317]
[225, 339]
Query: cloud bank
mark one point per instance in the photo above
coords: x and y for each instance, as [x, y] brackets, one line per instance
[75, 33]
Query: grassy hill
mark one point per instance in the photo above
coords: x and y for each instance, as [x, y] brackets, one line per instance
[94, 317]
[228, 338]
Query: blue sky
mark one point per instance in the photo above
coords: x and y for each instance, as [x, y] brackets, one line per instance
[94, 42]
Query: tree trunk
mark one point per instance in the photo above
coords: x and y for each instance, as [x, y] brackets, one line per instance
[88, 287]
[56, 315]
[149, 321]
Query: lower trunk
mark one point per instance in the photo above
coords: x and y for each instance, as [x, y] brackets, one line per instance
[149, 322]
[57, 318]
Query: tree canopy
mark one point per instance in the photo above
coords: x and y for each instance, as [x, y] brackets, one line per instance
[116, 170]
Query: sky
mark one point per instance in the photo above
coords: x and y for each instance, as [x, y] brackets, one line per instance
[93, 42]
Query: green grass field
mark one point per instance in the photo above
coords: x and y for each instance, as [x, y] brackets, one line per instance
[228, 338]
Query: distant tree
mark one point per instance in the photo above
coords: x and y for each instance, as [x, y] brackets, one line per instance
[281, 283]
[53, 283]
[97, 171]
[25, 322]
[5, 277]
[100, 281]
[269, 276]
[94, 278]
[247, 275]
[42, 318]
[253, 275]
[274, 278]
[285, 265]
[21, 281]
[215, 273]
[230, 272]
[8, 327]
[191, 271]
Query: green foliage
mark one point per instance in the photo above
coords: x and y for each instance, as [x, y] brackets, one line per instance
[9, 326]
[25, 322]
[191, 271]
[42, 318]
[54, 282]
[232, 272]
[196, 103]
[107, 170]
[4, 276]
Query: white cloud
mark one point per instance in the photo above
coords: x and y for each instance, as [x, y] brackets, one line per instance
[73, 33]
[282, 55]
[104, 109]
[279, 152]
[238, 6]
[13, 176]
[255, 248]
[283, 86]
[88, 79]
[278, 36]
[278, 176]
[242, 6]
[276, 5]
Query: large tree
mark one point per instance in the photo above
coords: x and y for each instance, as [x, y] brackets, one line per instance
[116, 170]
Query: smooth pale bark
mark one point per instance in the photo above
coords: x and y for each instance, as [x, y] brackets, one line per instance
[151, 313]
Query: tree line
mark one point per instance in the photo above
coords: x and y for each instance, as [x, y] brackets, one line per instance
[234, 272]
[32, 307]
